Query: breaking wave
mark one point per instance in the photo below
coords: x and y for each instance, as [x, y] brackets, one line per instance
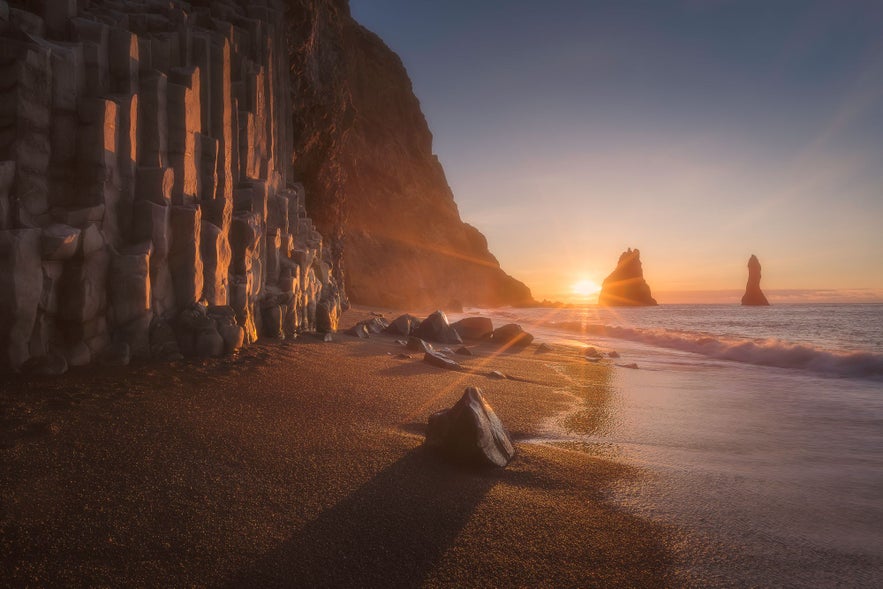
[762, 352]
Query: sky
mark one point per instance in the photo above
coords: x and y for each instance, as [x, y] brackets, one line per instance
[700, 132]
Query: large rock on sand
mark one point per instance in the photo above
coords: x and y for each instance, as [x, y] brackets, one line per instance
[474, 328]
[625, 286]
[436, 328]
[753, 296]
[511, 335]
[470, 433]
[403, 325]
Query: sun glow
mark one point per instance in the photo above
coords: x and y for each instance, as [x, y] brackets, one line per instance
[585, 288]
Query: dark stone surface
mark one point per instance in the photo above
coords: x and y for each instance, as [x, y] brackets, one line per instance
[403, 325]
[511, 334]
[418, 345]
[625, 286]
[754, 296]
[436, 328]
[470, 433]
[436, 359]
[474, 328]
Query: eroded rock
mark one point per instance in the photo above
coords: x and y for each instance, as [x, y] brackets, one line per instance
[470, 433]
[436, 328]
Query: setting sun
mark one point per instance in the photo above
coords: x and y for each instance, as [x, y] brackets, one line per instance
[585, 287]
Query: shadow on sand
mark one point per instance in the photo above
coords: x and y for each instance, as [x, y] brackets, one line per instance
[389, 533]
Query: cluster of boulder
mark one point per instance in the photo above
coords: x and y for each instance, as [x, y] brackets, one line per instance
[437, 328]
[147, 203]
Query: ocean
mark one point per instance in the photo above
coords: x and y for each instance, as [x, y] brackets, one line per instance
[759, 430]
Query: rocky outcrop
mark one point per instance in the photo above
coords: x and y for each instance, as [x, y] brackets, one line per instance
[753, 296]
[375, 188]
[625, 286]
[470, 433]
[148, 205]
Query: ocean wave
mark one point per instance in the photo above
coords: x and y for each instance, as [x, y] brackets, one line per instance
[762, 352]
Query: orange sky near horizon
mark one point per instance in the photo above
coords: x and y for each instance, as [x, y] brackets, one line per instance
[698, 132]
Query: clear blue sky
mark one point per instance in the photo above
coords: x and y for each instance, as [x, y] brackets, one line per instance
[698, 131]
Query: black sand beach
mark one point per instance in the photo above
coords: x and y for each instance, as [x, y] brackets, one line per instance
[301, 463]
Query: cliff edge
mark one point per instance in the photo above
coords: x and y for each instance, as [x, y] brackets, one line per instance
[625, 286]
[375, 189]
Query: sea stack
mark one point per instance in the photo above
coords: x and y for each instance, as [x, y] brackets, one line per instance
[626, 287]
[753, 296]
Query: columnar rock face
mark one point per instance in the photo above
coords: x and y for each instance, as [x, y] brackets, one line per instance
[147, 201]
[753, 296]
[375, 188]
[625, 286]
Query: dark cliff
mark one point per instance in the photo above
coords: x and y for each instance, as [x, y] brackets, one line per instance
[625, 286]
[375, 189]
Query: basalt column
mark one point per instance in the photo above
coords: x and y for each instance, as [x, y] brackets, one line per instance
[147, 204]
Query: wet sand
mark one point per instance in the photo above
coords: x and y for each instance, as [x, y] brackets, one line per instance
[300, 463]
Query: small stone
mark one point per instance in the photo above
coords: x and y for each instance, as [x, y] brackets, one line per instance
[415, 344]
[592, 353]
[327, 337]
[613, 354]
[543, 348]
[440, 361]
[633, 365]
[496, 374]
[463, 351]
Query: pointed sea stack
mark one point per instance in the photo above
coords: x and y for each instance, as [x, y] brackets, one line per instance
[753, 296]
[626, 287]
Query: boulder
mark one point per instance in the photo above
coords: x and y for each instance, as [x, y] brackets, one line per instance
[436, 328]
[163, 343]
[474, 328]
[376, 324]
[359, 330]
[625, 286]
[439, 361]
[511, 335]
[470, 433]
[403, 325]
[225, 321]
[754, 296]
[415, 344]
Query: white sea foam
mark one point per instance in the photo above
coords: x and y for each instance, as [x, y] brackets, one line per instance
[763, 352]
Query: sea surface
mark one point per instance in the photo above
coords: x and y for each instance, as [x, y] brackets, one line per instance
[760, 430]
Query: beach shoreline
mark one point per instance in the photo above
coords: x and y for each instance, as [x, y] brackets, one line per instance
[300, 463]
